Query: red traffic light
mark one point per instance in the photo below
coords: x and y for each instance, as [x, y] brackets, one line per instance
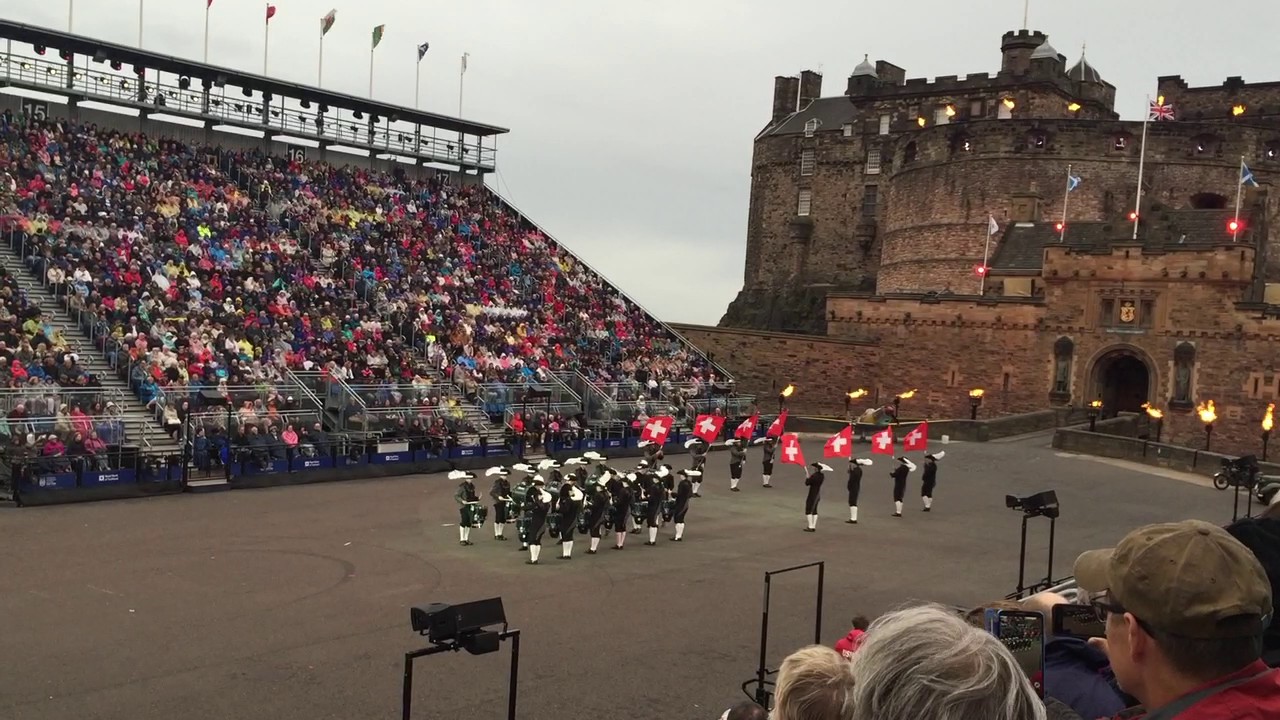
[980, 270]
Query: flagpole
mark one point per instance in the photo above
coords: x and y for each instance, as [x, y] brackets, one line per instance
[1142, 157]
[462, 75]
[320, 69]
[417, 84]
[371, 49]
[140, 4]
[986, 254]
[266, 40]
[207, 5]
[1062, 233]
[1239, 192]
[71, 13]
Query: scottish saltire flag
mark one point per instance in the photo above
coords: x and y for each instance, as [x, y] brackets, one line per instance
[1073, 182]
[1246, 176]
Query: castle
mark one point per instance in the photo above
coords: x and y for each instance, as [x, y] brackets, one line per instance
[870, 261]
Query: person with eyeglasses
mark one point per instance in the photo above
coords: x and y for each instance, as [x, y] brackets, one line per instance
[1186, 607]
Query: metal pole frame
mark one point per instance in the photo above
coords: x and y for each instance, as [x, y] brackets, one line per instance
[762, 672]
[406, 696]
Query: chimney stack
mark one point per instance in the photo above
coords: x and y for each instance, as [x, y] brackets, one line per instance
[810, 87]
[786, 91]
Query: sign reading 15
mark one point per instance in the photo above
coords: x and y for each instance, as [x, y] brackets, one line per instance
[35, 109]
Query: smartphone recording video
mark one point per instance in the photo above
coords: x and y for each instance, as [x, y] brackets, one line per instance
[1080, 621]
[1023, 634]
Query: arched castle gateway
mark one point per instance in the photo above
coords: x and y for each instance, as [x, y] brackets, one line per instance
[869, 216]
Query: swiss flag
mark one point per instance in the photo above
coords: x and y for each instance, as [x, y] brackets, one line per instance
[882, 442]
[840, 445]
[656, 429]
[791, 453]
[917, 439]
[747, 428]
[775, 429]
[708, 427]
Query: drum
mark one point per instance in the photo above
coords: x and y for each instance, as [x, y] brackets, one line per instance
[639, 510]
[668, 510]
[553, 524]
[511, 510]
[520, 492]
[476, 514]
[522, 528]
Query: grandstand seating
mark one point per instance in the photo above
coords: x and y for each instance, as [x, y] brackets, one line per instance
[386, 303]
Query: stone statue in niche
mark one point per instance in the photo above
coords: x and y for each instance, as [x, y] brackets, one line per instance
[1062, 352]
[1184, 357]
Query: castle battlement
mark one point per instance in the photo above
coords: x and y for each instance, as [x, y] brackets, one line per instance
[1230, 264]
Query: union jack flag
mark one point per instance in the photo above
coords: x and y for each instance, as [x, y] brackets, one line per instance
[1160, 111]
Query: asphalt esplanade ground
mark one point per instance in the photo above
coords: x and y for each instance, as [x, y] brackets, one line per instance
[292, 603]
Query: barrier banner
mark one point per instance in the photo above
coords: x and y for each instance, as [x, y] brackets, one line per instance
[348, 461]
[315, 463]
[391, 457]
[465, 452]
[615, 443]
[165, 473]
[52, 481]
[114, 477]
[496, 450]
[424, 455]
[274, 468]
[591, 444]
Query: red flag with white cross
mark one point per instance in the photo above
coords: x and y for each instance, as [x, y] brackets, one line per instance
[656, 429]
[708, 427]
[840, 445]
[882, 442]
[775, 429]
[747, 428]
[791, 452]
[917, 439]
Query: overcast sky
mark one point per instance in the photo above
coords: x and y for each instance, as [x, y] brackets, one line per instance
[632, 122]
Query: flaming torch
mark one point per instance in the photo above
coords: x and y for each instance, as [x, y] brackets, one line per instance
[897, 401]
[1208, 415]
[849, 397]
[975, 402]
[1157, 415]
[786, 393]
[1268, 421]
[1095, 409]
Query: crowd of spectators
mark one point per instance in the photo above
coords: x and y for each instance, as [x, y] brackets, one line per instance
[198, 267]
[1188, 612]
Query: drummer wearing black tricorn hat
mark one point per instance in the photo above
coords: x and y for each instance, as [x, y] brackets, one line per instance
[503, 504]
[467, 501]
[814, 483]
[537, 506]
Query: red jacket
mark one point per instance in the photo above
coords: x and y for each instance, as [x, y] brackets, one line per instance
[850, 643]
[1256, 699]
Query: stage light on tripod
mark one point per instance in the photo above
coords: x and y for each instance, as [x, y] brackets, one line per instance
[1041, 504]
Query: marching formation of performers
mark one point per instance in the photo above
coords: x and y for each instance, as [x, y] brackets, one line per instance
[583, 496]
[587, 496]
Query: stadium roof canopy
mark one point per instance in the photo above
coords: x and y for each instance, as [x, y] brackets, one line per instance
[402, 123]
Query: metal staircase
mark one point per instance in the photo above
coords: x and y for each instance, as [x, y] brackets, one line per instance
[141, 426]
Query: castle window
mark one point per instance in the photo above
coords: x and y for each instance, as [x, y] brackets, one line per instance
[807, 162]
[942, 115]
[1108, 317]
[1120, 144]
[1037, 140]
[976, 109]
[804, 203]
[810, 127]
[1147, 312]
[884, 124]
[913, 112]
[847, 129]
[869, 197]
[1272, 151]
[873, 161]
[909, 153]
[1205, 144]
[1004, 110]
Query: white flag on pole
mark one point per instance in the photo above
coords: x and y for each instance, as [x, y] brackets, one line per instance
[992, 226]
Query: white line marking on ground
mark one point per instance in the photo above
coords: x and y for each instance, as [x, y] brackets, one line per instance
[102, 590]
